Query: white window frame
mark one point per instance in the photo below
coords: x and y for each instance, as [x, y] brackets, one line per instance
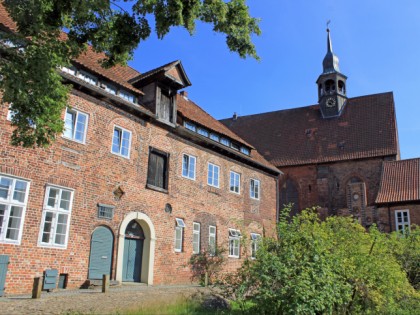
[212, 183]
[70, 70]
[111, 89]
[10, 202]
[212, 240]
[234, 243]
[255, 239]
[56, 212]
[403, 226]
[196, 237]
[186, 167]
[254, 193]
[122, 130]
[77, 115]
[235, 180]
[179, 234]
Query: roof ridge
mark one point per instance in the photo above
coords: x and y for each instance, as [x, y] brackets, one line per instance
[307, 106]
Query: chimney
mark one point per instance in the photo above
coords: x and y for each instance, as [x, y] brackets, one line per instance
[184, 94]
[235, 116]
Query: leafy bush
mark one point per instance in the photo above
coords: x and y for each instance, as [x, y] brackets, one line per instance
[323, 267]
[208, 262]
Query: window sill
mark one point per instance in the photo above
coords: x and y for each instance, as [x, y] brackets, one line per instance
[10, 242]
[235, 193]
[236, 257]
[52, 246]
[159, 189]
[120, 155]
[186, 177]
[73, 140]
[256, 199]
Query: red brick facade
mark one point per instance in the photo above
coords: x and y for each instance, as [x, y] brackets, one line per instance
[93, 173]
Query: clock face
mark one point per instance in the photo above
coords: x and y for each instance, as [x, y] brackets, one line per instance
[330, 102]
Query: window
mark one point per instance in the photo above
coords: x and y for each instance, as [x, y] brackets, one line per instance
[255, 240]
[212, 240]
[188, 166]
[402, 221]
[126, 96]
[203, 132]
[179, 234]
[235, 182]
[225, 141]
[196, 238]
[254, 189]
[105, 211]
[71, 70]
[75, 125]
[110, 88]
[214, 137]
[213, 175]
[245, 151]
[234, 146]
[13, 200]
[234, 243]
[190, 126]
[10, 114]
[87, 77]
[121, 142]
[157, 175]
[56, 217]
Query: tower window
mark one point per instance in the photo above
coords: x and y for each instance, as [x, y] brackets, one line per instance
[341, 87]
[329, 86]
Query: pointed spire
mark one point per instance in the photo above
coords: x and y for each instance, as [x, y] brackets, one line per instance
[330, 63]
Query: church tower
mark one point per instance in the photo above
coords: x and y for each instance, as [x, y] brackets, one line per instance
[331, 84]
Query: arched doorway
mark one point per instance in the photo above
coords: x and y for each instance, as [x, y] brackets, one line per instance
[148, 247]
[133, 252]
[101, 249]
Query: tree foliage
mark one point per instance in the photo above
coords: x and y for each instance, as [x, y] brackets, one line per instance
[28, 67]
[328, 267]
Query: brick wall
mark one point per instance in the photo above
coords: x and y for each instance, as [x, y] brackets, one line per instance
[386, 215]
[326, 185]
[95, 173]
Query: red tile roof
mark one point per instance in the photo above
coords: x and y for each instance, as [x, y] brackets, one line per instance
[400, 181]
[366, 128]
[195, 113]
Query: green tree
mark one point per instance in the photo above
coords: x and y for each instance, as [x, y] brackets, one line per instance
[323, 267]
[28, 66]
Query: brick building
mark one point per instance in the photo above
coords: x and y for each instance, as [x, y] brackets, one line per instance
[140, 180]
[332, 153]
[398, 198]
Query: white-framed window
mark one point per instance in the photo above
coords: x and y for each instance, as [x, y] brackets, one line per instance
[126, 96]
[13, 201]
[245, 150]
[203, 132]
[196, 238]
[190, 126]
[75, 125]
[225, 141]
[10, 114]
[234, 243]
[214, 137]
[213, 175]
[254, 188]
[255, 240]
[56, 215]
[188, 166]
[235, 182]
[212, 240]
[110, 88]
[179, 234]
[121, 142]
[71, 70]
[402, 221]
[87, 77]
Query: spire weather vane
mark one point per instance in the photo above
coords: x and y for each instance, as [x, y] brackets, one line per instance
[328, 24]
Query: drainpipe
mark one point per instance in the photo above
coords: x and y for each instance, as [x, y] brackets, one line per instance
[277, 200]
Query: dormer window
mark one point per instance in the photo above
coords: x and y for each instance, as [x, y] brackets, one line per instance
[203, 132]
[110, 88]
[165, 108]
[71, 70]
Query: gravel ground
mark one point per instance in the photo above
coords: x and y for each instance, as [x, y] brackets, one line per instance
[93, 301]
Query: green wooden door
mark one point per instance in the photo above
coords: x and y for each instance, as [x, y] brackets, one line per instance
[101, 248]
[133, 252]
[4, 263]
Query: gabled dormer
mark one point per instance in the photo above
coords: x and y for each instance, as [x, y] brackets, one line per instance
[160, 87]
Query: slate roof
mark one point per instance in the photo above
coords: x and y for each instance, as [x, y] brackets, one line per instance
[366, 128]
[400, 181]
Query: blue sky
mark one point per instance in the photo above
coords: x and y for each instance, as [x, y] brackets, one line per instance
[377, 42]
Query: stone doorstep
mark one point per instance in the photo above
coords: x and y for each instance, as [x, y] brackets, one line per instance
[92, 282]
